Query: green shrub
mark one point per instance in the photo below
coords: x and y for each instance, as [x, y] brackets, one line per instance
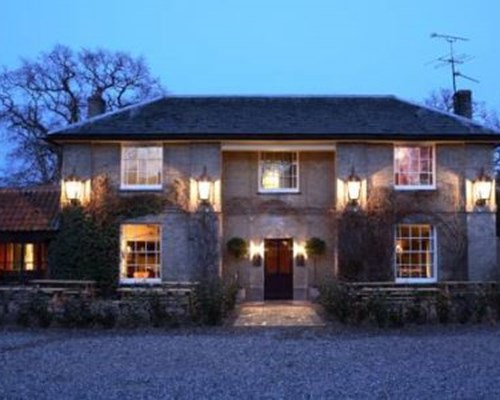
[416, 311]
[134, 312]
[104, 314]
[396, 316]
[337, 300]
[464, 308]
[443, 307]
[34, 311]
[378, 309]
[158, 314]
[76, 313]
[315, 247]
[480, 305]
[212, 300]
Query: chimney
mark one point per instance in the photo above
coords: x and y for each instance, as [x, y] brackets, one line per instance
[95, 105]
[462, 103]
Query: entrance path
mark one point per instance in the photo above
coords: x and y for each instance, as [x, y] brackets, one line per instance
[277, 313]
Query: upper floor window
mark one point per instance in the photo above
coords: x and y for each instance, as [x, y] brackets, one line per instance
[278, 172]
[142, 167]
[414, 167]
[415, 253]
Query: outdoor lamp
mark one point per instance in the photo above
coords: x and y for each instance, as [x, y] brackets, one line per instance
[482, 188]
[257, 260]
[204, 186]
[73, 187]
[300, 260]
[353, 188]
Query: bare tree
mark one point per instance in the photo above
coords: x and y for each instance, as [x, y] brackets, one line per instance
[442, 99]
[51, 92]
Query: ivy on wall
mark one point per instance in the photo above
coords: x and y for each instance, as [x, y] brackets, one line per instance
[87, 244]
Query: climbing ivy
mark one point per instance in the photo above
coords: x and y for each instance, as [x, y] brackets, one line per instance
[87, 244]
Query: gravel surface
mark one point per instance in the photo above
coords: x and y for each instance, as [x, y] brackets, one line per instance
[310, 363]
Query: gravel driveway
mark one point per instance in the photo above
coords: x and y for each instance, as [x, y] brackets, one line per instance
[307, 363]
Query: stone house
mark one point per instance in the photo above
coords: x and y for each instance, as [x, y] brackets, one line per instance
[395, 190]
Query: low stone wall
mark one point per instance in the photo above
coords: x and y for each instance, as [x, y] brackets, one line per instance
[389, 304]
[28, 306]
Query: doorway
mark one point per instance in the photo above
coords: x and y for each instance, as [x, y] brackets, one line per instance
[278, 265]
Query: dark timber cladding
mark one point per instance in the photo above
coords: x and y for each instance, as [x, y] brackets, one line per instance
[277, 117]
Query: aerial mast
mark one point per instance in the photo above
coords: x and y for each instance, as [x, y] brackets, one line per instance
[453, 59]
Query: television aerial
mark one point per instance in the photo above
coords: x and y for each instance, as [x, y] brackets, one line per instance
[452, 59]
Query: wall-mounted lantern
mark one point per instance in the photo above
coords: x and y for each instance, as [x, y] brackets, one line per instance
[353, 188]
[73, 188]
[256, 253]
[300, 260]
[482, 188]
[256, 260]
[204, 186]
[299, 252]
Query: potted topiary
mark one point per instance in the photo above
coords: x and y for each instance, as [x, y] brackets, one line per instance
[315, 247]
[237, 247]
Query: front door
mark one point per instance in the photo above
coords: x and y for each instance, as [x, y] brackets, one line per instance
[278, 263]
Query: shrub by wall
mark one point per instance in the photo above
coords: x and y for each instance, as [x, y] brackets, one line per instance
[475, 304]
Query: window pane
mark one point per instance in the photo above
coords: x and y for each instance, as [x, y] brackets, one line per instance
[142, 165]
[413, 165]
[278, 170]
[414, 251]
[141, 251]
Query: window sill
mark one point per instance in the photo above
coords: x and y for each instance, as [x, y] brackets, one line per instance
[138, 281]
[409, 188]
[141, 188]
[279, 191]
[416, 280]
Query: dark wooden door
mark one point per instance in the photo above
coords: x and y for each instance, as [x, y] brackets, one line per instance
[278, 263]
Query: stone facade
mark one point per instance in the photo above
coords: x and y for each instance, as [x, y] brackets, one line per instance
[465, 233]
[299, 216]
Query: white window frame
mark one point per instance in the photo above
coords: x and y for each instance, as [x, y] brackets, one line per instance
[124, 186]
[123, 265]
[415, 187]
[280, 190]
[434, 269]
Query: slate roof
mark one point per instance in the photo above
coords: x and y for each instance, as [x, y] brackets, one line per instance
[276, 117]
[29, 210]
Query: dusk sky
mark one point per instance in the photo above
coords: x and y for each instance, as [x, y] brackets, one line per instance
[272, 46]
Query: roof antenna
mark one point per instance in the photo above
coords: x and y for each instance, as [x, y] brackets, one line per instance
[452, 59]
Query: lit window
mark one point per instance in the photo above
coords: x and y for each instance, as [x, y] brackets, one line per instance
[142, 166]
[415, 253]
[17, 257]
[278, 172]
[141, 253]
[414, 167]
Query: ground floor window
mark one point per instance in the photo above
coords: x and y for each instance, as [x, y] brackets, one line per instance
[17, 257]
[141, 253]
[415, 253]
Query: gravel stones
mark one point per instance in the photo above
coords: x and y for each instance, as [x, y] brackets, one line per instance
[307, 363]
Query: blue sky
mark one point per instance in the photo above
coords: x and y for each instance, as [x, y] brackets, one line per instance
[271, 46]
